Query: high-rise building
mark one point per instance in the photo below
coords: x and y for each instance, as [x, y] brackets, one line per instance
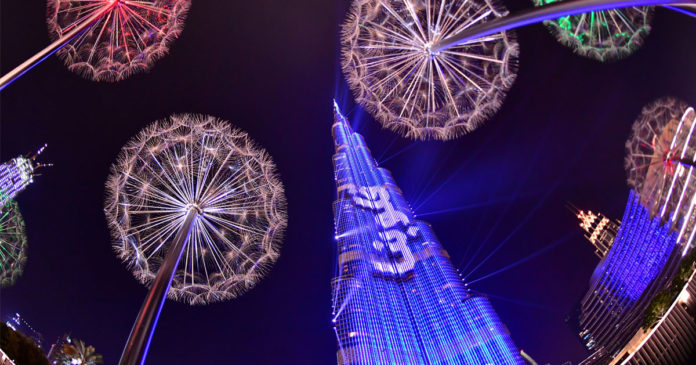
[641, 261]
[397, 297]
[56, 350]
[16, 174]
[19, 324]
[601, 231]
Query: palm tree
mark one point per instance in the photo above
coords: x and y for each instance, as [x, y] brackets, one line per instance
[77, 353]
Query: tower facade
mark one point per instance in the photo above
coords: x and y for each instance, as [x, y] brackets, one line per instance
[397, 299]
[601, 231]
[16, 174]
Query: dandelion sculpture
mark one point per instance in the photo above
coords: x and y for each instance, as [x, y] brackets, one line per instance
[193, 204]
[603, 35]
[437, 69]
[660, 161]
[126, 40]
[13, 244]
[108, 40]
[390, 65]
[550, 11]
[649, 149]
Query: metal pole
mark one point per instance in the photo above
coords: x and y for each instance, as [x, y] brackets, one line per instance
[27, 65]
[144, 327]
[539, 14]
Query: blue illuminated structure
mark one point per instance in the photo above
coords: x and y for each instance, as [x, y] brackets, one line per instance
[640, 262]
[397, 297]
[17, 174]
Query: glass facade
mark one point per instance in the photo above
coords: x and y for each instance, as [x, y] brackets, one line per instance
[397, 298]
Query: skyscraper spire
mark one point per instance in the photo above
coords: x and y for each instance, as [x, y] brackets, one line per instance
[397, 298]
[601, 231]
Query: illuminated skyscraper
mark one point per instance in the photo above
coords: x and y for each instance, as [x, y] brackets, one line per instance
[397, 297]
[640, 262]
[17, 323]
[16, 174]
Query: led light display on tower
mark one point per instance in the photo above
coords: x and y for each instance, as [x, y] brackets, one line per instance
[16, 174]
[397, 298]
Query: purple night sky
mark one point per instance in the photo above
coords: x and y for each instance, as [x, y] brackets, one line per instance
[272, 69]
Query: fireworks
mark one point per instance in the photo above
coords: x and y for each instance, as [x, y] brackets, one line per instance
[128, 38]
[389, 65]
[197, 162]
[13, 244]
[602, 35]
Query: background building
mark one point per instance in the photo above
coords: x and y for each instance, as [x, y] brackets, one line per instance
[17, 323]
[4, 359]
[397, 298]
[16, 174]
[642, 260]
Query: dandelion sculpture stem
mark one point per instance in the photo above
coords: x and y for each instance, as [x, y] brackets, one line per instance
[546, 12]
[141, 334]
[59, 43]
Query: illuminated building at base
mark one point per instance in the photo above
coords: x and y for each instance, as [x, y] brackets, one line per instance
[673, 339]
[16, 174]
[397, 299]
[4, 359]
[642, 259]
